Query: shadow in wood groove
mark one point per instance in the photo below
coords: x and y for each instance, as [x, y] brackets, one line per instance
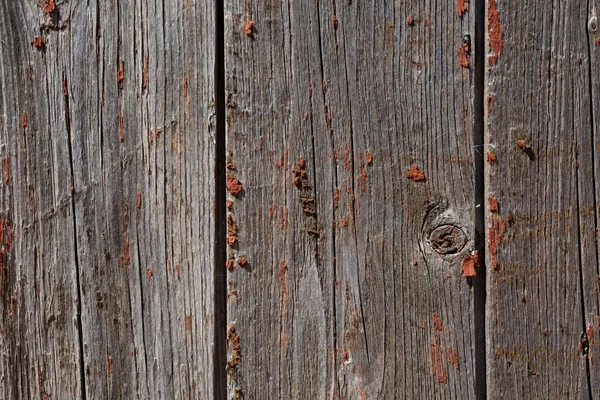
[220, 277]
[479, 281]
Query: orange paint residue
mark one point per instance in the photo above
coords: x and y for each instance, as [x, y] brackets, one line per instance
[494, 32]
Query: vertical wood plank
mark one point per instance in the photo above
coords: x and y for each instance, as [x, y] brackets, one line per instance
[541, 212]
[334, 287]
[108, 286]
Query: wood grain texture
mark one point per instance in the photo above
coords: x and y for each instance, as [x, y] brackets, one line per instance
[107, 203]
[334, 289]
[542, 292]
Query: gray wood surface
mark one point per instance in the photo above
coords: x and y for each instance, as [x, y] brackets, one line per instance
[107, 199]
[340, 293]
[541, 124]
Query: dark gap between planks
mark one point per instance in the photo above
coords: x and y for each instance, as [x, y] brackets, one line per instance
[220, 250]
[478, 141]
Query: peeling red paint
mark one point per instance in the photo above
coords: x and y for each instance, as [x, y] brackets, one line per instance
[490, 157]
[461, 7]
[494, 32]
[49, 6]
[415, 174]
[229, 204]
[469, 263]
[335, 22]
[410, 21]
[38, 42]
[369, 157]
[185, 85]
[229, 264]
[336, 197]
[248, 28]
[121, 128]
[437, 365]
[463, 60]
[242, 261]
[24, 120]
[233, 185]
[188, 323]
[6, 170]
[121, 74]
[149, 273]
[493, 204]
[145, 73]
[139, 199]
[126, 250]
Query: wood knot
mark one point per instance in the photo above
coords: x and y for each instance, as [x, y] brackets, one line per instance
[593, 25]
[447, 239]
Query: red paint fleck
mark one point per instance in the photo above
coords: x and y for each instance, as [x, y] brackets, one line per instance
[363, 179]
[522, 145]
[415, 174]
[344, 221]
[454, 359]
[121, 128]
[233, 185]
[346, 157]
[248, 28]
[282, 273]
[369, 157]
[177, 268]
[24, 120]
[230, 265]
[65, 88]
[229, 204]
[493, 204]
[410, 21]
[345, 356]
[185, 85]
[334, 22]
[231, 240]
[38, 42]
[461, 7]
[242, 261]
[6, 170]
[139, 199]
[590, 334]
[469, 263]
[490, 157]
[150, 136]
[158, 133]
[109, 365]
[426, 22]
[336, 197]
[49, 6]
[126, 258]
[188, 323]
[437, 365]
[463, 60]
[283, 213]
[145, 73]
[596, 42]
[494, 32]
[121, 74]
[149, 273]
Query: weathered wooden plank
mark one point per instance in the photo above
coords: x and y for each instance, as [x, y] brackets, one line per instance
[541, 208]
[108, 287]
[335, 290]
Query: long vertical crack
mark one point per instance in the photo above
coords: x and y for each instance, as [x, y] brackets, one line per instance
[220, 250]
[478, 141]
[77, 268]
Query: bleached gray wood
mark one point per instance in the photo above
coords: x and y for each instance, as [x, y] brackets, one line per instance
[348, 299]
[107, 289]
[541, 100]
